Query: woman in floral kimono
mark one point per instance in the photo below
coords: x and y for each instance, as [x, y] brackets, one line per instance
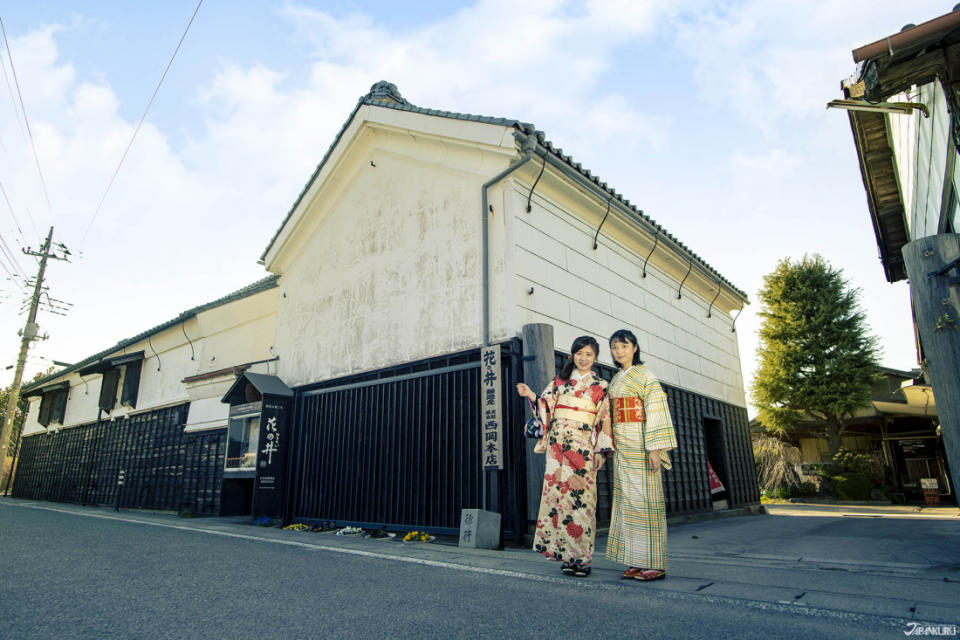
[642, 435]
[577, 438]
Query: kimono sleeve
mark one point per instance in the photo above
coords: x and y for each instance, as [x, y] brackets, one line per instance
[658, 430]
[546, 403]
[603, 442]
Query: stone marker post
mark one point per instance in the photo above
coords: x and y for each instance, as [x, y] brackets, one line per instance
[479, 529]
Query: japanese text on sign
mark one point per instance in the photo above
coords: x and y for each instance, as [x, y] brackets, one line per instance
[273, 441]
[490, 407]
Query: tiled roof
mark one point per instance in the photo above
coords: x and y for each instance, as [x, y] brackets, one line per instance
[249, 290]
[385, 94]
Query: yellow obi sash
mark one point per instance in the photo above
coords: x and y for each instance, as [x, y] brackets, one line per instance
[578, 409]
[628, 410]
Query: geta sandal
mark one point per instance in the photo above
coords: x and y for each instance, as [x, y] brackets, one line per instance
[648, 575]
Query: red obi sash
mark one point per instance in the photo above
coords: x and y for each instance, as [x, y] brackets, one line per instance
[628, 410]
[563, 406]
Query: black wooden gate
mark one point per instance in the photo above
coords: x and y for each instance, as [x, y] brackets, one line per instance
[402, 447]
[164, 468]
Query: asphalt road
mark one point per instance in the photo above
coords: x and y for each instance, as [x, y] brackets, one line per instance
[67, 575]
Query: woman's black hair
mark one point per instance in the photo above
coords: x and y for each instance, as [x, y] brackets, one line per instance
[625, 335]
[579, 343]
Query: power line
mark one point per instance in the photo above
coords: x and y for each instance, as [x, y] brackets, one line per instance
[26, 121]
[5, 250]
[12, 277]
[23, 136]
[12, 215]
[139, 124]
[13, 100]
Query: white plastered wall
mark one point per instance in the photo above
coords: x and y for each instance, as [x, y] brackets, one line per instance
[231, 334]
[582, 291]
[383, 264]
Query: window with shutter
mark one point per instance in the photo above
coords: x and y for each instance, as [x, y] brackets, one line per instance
[59, 405]
[46, 408]
[108, 389]
[131, 384]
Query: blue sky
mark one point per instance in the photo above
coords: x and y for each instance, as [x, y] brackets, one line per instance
[709, 116]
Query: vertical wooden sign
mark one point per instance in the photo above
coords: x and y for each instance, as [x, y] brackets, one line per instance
[491, 413]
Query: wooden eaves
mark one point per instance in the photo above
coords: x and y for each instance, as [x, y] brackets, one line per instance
[915, 56]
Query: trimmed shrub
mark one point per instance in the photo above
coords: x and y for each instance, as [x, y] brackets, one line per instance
[808, 489]
[852, 486]
[790, 491]
[862, 468]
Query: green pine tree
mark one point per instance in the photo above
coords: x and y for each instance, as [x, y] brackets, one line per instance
[817, 358]
[17, 419]
[22, 405]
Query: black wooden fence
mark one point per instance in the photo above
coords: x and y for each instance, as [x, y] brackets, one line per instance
[164, 468]
[402, 447]
[398, 446]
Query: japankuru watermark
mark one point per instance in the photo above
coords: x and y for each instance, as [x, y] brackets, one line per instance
[917, 629]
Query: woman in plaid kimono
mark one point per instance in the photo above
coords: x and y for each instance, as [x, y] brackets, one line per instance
[642, 435]
[576, 441]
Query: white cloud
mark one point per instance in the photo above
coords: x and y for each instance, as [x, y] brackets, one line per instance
[775, 61]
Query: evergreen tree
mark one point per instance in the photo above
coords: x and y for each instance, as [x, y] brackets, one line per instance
[18, 419]
[817, 359]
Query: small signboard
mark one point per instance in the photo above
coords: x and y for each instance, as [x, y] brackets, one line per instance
[272, 438]
[491, 408]
[931, 491]
[271, 458]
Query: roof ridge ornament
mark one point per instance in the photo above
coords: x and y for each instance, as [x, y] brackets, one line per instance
[386, 92]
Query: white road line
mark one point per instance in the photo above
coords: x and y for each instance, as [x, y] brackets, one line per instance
[773, 607]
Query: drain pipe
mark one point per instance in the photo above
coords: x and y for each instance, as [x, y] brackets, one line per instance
[491, 479]
[528, 147]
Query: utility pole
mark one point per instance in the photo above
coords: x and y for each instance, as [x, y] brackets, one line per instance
[27, 335]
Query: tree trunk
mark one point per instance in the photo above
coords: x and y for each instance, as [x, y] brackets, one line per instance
[834, 435]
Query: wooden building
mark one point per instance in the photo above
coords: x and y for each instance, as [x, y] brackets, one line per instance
[423, 238]
[903, 103]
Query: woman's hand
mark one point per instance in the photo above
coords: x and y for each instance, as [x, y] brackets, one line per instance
[654, 457]
[526, 392]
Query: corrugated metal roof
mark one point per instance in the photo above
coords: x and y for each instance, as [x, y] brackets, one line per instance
[251, 289]
[385, 94]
